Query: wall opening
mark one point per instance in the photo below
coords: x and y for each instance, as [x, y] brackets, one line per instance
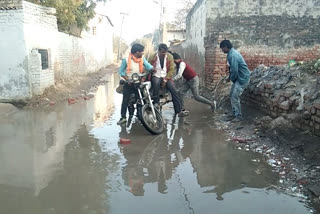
[44, 58]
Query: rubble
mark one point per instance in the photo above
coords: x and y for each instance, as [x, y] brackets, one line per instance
[287, 90]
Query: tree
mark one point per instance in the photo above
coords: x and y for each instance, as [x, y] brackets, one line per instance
[71, 12]
[181, 14]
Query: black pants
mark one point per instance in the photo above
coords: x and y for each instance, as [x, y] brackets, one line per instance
[128, 90]
[176, 99]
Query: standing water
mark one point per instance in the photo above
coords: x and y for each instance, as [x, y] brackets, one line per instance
[66, 159]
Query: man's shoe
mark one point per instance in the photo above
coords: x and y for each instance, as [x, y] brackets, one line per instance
[183, 114]
[213, 106]
[121, 121]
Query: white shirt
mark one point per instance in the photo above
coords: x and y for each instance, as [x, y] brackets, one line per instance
[161, 72]
[182, 67]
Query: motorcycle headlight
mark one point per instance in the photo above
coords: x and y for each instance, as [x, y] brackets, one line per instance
[135, 77]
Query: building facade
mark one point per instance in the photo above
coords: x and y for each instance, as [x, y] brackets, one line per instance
[35, 54]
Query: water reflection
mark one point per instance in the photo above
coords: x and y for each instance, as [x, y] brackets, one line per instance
[45, 152]
[215, 162]
[67, 160]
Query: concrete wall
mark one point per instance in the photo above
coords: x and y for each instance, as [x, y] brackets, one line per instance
[265, 32]
[269, 32]
[192, 50]
[27, 28]
[14, 81]
[175, 35]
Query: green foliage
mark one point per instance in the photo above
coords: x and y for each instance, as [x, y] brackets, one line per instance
[71, 12]
[181, 13]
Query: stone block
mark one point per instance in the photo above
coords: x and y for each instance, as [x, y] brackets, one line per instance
[314, 111]
[268, 85]
[284, 105]
[274, 114]
[297, 124]
[316, 104]
[315, 118]
[282, 99]
[311, 124]
[306, 115]
[287, 94]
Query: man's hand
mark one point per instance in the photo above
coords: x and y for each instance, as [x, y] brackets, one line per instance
[143, 79]
[163, 84]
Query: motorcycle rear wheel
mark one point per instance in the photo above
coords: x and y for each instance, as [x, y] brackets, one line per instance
[146, 118]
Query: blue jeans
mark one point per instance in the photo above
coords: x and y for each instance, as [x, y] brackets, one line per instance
[235, 93]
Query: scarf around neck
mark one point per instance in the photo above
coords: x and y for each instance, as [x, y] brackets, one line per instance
[136, 60]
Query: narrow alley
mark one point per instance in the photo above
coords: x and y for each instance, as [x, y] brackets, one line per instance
[67, 159]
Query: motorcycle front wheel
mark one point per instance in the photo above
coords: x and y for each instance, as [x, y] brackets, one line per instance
[153, 126]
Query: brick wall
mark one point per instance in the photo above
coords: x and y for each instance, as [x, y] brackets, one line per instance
[288, 92]
[43, 17]
[268, 40]
[40, 79]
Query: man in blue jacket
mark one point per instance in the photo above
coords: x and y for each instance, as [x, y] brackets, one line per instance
[134, 63]
[239, 74]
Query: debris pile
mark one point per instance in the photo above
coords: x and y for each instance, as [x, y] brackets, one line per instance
[289, 92]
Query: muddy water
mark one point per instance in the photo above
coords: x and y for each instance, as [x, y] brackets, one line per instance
[66, 159]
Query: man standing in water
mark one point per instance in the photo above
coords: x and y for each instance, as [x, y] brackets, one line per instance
[239, 74]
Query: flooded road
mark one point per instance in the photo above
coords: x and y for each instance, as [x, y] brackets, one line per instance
[66, 159]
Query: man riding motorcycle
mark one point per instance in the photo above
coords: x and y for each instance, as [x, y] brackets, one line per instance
[163, 63]
[134, 63]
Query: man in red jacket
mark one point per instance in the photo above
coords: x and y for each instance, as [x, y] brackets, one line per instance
[191, 81]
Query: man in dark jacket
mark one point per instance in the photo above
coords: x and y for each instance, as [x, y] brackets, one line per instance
[239, 74]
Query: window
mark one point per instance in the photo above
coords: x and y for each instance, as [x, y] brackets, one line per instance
[44, 58]
[94, 30]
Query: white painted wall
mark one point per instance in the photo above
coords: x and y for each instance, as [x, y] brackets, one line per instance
[178, 35]
[14, 81]
[24, 31]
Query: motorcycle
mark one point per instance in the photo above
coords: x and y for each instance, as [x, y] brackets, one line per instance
[150, 116]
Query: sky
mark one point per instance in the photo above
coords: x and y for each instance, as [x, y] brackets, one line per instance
[143, 16]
